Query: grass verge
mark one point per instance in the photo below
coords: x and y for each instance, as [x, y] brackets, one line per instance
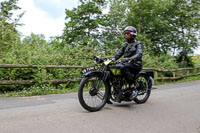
[188, 79]
[40, 90]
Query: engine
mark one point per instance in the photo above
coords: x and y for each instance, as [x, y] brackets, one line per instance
[120, 91]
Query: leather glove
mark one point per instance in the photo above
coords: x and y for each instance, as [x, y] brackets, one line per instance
[111, 58]
[124, 60]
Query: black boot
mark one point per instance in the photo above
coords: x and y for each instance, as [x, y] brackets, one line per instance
[134, 94]
[108, 99]
[109, 102]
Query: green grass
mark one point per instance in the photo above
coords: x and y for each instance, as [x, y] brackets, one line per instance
[193, 78]
[188, 79]
[40, 90]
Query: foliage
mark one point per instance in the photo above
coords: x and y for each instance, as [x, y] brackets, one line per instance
[165, 27]
[185, 26]
[39, 89]
[163, 62]
[83, 23]
[170, 26]
[34, 50]
[196, 60]
[8, 24]
[184, 60]
[112, 33]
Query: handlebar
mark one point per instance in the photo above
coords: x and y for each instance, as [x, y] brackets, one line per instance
[99, 60]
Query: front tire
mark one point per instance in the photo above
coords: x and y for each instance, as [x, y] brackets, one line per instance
[93, 93]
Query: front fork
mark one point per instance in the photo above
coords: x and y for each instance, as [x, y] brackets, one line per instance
[104, 76]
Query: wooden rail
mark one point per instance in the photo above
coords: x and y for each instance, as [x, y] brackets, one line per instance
[38, 66]
[29, 82]
[196, 71]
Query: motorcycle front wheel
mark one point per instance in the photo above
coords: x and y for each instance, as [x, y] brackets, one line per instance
[93, 93]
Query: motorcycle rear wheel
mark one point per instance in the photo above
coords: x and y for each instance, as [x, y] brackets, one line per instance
[144, 89]
[93, 93]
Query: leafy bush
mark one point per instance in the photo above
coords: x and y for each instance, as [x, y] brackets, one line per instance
[164, 61]
[35, 50]
[196, 60]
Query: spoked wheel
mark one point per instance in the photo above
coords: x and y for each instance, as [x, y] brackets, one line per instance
[143, 88]
[93, 93]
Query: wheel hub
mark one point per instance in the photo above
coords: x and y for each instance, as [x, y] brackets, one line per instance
[93, 91]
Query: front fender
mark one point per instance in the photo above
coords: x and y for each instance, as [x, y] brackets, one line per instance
[92, 73]
[103, 75]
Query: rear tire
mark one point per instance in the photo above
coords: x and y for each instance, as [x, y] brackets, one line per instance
[144, 89]
[93, 93]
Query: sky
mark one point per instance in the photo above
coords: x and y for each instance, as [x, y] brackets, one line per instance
[46, 17]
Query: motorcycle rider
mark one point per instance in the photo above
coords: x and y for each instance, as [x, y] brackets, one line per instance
[132, 51]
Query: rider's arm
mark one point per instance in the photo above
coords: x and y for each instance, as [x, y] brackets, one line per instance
[120, 52]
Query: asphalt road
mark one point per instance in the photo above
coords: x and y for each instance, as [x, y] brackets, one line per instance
[171, 109]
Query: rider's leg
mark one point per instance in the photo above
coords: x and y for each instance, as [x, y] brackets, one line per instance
[127, 72]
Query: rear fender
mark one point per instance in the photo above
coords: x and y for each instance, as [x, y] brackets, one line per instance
[146, 74]
[149, 75]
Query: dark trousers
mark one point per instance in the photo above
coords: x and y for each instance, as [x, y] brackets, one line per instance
[129, 70]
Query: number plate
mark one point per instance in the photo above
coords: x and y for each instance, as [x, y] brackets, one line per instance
[88, 69]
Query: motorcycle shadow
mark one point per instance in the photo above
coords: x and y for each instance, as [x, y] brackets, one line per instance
[124, 105]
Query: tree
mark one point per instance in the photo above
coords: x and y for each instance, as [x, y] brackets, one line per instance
[141, 14]
[168, 25]
[112, 36]
[83, 23]
[186, 25]
[35, 40]
[8, 32]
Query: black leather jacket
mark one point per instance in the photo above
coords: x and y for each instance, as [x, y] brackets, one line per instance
[132, 51]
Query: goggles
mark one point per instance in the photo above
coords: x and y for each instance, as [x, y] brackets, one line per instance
[127, 33]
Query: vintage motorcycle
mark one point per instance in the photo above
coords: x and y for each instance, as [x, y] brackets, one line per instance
[104, 82]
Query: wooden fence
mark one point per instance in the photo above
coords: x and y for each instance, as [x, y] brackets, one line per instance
[175, 74]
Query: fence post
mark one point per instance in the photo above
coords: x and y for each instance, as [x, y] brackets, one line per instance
[156, 76]
[44, 73]
[195, 70]
[188, 72]
[174, 75]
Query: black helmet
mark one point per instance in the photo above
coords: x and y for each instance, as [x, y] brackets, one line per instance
[132, 31]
